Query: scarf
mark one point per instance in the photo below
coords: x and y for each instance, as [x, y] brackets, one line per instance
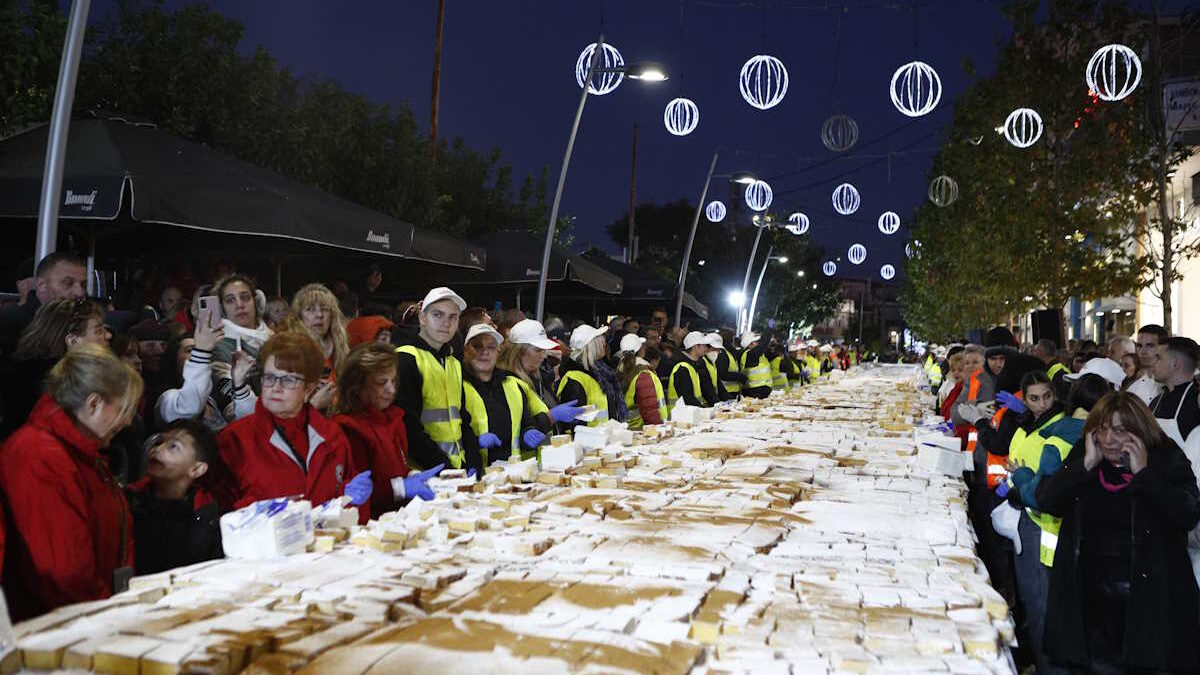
[606, 377]
[252, 338]
[1114, 479]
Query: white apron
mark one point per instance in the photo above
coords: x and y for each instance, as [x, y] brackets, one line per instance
[1171, 426]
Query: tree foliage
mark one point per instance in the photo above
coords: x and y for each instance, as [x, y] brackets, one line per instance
[1034, 227]
[182, 70]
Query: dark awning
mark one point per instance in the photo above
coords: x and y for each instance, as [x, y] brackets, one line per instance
[516, 258]
[642, 285]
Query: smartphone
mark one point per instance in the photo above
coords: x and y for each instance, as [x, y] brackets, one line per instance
[213, 305]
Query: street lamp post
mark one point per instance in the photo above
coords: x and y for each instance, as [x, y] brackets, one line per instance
[750, 266]
[650, 72]
[757, 286]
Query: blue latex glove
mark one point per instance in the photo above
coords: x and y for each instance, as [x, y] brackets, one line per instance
[533, 438]
[359, 488]
[1011, 402]
[489, 440]
[471, 472]
[1002, 489]
[417, 484]
[566, 412]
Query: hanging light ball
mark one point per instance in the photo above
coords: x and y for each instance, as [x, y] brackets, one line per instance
[715, 211]
[602, 83]
[759, 195]
[916, 89]
[857, 254]
[887, 272]
[681, 116]
[829, 268]
[798, 223]
[1113, 72]
[764, 81]
[845, 199]
[943, 191]
[912, 248]
[839, 133]
[889, 222]
[1023, 127]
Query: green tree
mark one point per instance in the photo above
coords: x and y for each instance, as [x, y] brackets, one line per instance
[32, 36]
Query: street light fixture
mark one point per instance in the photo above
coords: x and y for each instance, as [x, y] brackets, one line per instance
[646, 71]
[754, 301]
[741, 177]
[800, 273]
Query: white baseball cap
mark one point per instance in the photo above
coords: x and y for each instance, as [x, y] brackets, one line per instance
[1104, 367]
[631, 343]
[826, 348]
[581, 336]
[694, 338]
[715, 341]
[530, 332]
[442, 293]
[748, 339]
[483, 329]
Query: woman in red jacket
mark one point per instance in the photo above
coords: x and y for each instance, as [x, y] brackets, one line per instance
[287, 447]
[70, 534]
[643, 390]
[374, 427]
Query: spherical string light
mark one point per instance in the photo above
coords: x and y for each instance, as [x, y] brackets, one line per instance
[839, 133]
[887, 272]
[602, 82]
[829, 268]
[857, 254]
[798, 223]
[1113, 72]
[715, 211]
[759, 195]
[845, 199]
[916, 89]
[943, 191]
[764, 81]
[681, 116]
[1023, 127]
[889, 222]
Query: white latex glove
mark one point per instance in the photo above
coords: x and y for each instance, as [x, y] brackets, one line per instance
[969, 412]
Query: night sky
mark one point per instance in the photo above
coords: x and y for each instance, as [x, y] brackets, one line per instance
[508, 82]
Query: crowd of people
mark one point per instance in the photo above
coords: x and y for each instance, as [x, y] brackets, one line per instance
[1083, 492]
[129, 430]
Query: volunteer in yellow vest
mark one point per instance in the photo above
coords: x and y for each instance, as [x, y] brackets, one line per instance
[755, 367]
[779, 381]
[728, 372]
[500, 402]
[828, 361]
[712, 367]
[795, 354]
[687, 383]
[586, 378]
[429, 387]
[644, 395]
[812, 365]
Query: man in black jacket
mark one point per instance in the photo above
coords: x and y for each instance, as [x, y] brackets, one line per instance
[59, 275]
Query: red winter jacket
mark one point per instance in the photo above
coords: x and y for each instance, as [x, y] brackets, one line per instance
[379, 442]
[69, 527]
[262, 466]
[646, 398]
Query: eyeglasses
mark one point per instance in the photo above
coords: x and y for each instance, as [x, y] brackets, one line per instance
[285, 381]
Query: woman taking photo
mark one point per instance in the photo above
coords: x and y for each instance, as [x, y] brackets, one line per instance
[644, 396]
[242, 307]
[317, 310]
[507, 416]
[525, 354]
[287, 447]
[186, 365]
[587, 379]
[375, 429]
[1122, 594]
[72, 535]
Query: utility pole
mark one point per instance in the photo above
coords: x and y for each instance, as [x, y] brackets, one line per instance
[629, 253]
[437, 81]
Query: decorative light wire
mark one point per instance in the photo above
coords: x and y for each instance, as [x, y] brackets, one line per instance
[829, 268]
[602, 82]
[916, 89]
[764, 81]
[889, 222]
[845, 199]
[943, 191]
[1113, 72]
[759, 195]
[681, 116]
[715, 211]
[798, 223]
[1023, 127]
[839, 133]
[857, 254]
[887, 272]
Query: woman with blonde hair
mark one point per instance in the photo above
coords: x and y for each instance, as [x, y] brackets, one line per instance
[72, 534]
[587, 379]
[316, 308]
